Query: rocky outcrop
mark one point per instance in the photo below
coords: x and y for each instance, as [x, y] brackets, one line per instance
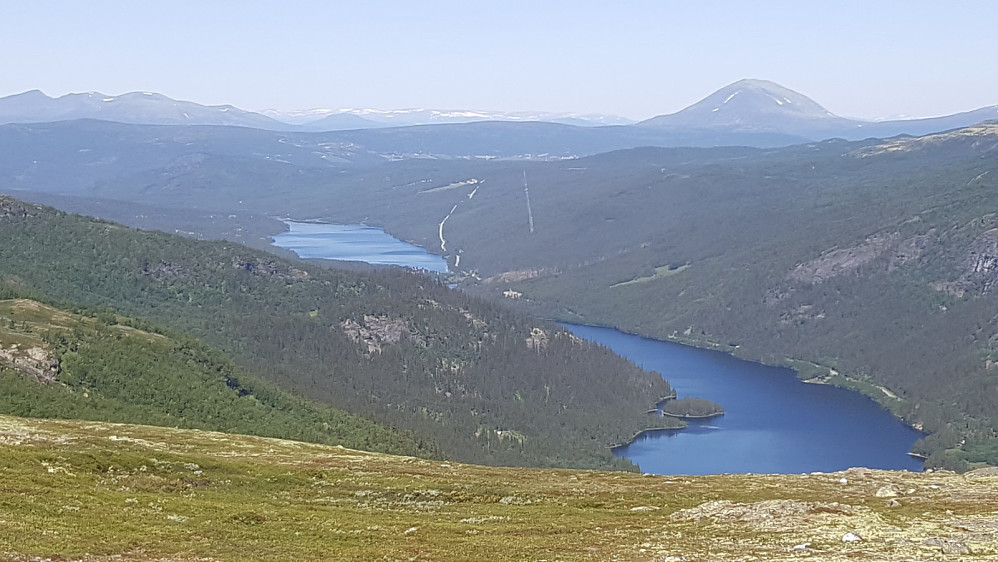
[538, 339]
[895, 251]
[946, 546]
[163, 270]
[33, 361]
[269, 268]
[374, 332]
[858, 513]
[514, 276]
[11, 208]
[976, 267]
[888, 491]
[762, 514]
[834, 263]
[981, 263]
[910, 249]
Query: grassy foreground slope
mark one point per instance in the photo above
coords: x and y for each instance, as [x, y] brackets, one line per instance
[484, 384]
[95, 491]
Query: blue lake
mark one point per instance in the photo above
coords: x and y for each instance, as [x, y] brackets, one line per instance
[773, 422]
[352, 242]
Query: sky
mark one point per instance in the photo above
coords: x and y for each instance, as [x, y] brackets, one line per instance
[637, 59]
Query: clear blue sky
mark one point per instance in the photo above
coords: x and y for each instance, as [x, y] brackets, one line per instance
[632, 58]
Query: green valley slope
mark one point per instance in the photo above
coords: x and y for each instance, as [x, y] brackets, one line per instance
[868, 264]
[872, 266]
[477, 381]
[55, 363]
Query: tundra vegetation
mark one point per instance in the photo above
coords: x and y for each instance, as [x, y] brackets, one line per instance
[174, 494]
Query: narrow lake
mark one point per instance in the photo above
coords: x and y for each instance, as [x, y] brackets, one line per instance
[773, 423]
[354, 242]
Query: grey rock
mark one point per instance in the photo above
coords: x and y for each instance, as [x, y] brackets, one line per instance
[982, 472]
[888, 491]
[947, 546]
[763, 512]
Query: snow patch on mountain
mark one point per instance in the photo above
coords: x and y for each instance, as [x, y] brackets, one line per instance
[427, 116]
[755, 106]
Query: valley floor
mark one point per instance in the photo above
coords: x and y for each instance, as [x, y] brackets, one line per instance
[93, 491]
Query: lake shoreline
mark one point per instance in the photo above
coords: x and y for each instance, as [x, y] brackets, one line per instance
[707, 345]
[871, 435]
[755, 395]
[357, 243]
[691, 417]
[643, 433]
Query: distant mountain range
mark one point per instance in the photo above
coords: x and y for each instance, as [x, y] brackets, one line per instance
[148, 108]
[334, 119]
[145, 108]
[747, 112]
[869, 259]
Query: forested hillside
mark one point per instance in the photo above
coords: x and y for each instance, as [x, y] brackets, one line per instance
[484, 384]
[100, 366]
[868, 264]
[871, 265]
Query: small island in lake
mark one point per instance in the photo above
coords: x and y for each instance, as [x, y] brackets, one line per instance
[692, 408]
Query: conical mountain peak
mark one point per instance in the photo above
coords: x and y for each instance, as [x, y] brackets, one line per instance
[753, 105]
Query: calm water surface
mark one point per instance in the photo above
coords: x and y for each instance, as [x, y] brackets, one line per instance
[773, 423]
[354, 242]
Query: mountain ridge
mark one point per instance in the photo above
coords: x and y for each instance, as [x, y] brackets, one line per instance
[753, 105]
[34, 106]
[749, 112]
[151, 108]
[314, 118]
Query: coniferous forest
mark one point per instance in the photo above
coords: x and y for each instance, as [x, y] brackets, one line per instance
[456, 377]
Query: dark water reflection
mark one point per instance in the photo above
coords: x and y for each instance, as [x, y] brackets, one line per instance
[773, 423]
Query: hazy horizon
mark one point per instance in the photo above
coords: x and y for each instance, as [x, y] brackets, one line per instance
[637, 60]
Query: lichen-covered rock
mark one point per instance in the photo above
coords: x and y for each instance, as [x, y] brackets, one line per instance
[947, 546]
[765, 512]
[888, 491]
